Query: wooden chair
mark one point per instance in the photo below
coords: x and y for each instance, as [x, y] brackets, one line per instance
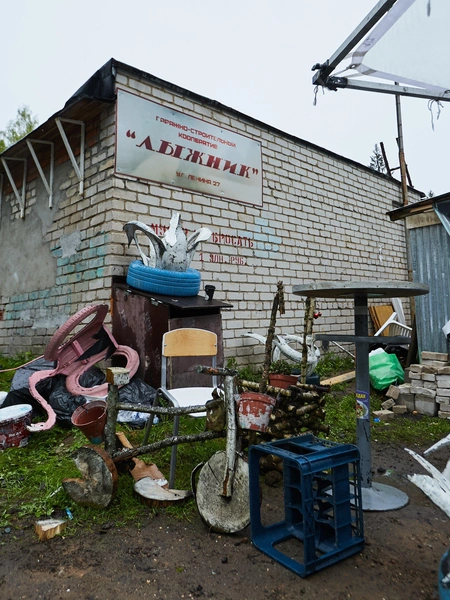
[179, 343]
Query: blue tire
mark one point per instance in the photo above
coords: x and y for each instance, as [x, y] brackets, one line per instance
[160, 281]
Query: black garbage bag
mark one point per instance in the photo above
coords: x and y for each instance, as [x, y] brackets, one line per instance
[53, 389]
[136, 392]
[19, 392]
[63, 402]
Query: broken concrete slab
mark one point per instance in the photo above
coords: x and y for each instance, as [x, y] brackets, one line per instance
[441, 356]
[387, 404]
[393, 392]
[383, 415]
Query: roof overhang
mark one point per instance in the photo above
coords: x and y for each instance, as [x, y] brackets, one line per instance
[417, 208]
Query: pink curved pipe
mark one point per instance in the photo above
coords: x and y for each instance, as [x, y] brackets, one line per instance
[67, 354]
[34, 379]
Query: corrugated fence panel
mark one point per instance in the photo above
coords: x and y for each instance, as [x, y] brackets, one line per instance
[430, 255]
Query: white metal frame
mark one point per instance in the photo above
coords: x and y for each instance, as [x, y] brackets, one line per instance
[79, 168]
[324, 78]
[48, 184]
[20, 199]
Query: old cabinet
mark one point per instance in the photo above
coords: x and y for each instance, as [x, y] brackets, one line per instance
[140, 319]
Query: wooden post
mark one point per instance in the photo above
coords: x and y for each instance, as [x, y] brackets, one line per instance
[278, 303]
[307, 331]
[115, 376]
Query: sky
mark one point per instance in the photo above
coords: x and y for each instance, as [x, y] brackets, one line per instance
[254, 56]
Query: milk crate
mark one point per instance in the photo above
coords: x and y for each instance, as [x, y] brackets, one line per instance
[323, 520]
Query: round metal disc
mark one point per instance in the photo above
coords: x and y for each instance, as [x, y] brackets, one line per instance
[224, 515]
[382, 497]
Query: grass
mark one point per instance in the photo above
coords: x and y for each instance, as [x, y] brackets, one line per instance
[31, 477]
[7, 363]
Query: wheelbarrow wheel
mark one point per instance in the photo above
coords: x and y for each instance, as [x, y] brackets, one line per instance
[98, 484]
[221, 514]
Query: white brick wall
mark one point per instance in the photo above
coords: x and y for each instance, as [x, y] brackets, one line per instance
[322, 217]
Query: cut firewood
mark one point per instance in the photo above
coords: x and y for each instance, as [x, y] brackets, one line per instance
[151, 493]
[48, 528]
[98, 486]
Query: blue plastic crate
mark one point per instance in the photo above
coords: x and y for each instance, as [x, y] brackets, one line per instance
[322, 504]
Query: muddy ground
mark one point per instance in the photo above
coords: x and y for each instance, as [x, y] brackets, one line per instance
[168, 559]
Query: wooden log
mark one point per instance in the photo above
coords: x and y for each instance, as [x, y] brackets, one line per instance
[98, 485]
[307, 331]
[277, 413]
[48, 528]
[170, 441]
[278, 303]
[306, 409]
[270, 389]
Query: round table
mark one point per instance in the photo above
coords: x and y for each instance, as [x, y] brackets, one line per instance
[375, 496]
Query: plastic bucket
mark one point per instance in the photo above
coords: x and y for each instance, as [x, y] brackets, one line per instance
[254, 410]
[13, 425]
[444, 583]
[90, 419]
[282, 381]
[3, 397]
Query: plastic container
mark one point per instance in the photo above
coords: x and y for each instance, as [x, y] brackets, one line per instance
[90, 418]
[254, 410]
[281, 380]
[323, 518]
[3, 397]
[13, 425]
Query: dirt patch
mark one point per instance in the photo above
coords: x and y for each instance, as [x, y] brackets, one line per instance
[168, 559]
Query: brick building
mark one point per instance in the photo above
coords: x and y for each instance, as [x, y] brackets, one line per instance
[280, 208]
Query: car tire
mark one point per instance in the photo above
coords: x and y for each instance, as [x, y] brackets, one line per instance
[161, 281]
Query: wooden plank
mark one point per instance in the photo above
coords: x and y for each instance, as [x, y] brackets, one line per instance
[380, 314]
[339, 378]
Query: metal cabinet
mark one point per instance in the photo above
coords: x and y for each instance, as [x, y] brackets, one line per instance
[140, 319]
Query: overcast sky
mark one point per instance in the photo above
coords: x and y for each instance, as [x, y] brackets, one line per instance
[252, 55]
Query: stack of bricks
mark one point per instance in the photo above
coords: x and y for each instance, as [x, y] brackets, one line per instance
[428, 392]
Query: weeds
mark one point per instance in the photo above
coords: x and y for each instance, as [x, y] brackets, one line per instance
[31, 477]
[334, 364]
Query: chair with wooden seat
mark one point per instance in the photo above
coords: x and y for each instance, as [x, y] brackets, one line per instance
[176, 344]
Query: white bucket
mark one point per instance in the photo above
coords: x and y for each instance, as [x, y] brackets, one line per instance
[13, 422]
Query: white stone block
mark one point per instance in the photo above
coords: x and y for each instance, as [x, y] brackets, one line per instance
[425, 406]
[428, 376]
[441, 356]
[421, 391]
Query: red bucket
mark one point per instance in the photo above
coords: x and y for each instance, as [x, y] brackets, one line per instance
[13, 425]
[91, 419]
[254, 410]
